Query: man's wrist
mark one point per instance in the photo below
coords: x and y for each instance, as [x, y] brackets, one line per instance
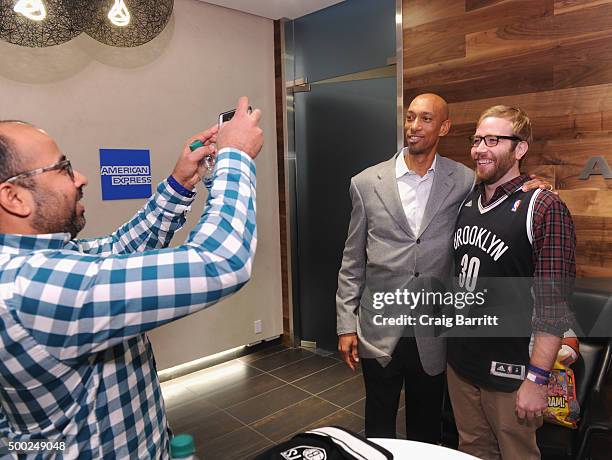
[538, 371]
[179, 188]
[537, 379]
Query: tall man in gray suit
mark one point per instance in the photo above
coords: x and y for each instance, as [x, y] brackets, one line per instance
[403, 216]
[399, 237]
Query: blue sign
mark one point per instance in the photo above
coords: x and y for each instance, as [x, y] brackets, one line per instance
[125, 174]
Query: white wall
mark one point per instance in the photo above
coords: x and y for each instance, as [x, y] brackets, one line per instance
[88, 95]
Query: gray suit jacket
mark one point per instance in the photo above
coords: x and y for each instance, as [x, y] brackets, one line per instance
[383, 254]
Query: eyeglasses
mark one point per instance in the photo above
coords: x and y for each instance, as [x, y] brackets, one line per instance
[63, 165]
[490, 140]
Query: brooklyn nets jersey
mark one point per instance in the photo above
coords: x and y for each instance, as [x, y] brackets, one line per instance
[494, 256]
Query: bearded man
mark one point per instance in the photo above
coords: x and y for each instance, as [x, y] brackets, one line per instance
[508, 244]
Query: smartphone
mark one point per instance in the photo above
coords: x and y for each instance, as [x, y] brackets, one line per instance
[227, 116]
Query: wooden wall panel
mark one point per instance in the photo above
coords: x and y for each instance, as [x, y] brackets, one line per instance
[444, 39]
[572, 101]
[570, 25]
[583, 64]
[565, 6]
[475, 4]
[279, 91]
[552, 58]
[426, 11]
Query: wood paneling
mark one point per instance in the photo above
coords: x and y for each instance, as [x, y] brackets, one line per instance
[475, 4]
[584, 64]
[279, 89]
[495, 78]
[566, 6]
[552, 58]
[426, 11]
[444, 39]
[585, 100]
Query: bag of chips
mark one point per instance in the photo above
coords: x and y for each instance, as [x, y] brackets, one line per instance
[563, 407]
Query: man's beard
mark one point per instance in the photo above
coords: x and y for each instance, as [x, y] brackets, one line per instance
[413, 150]
[419, 149]
[46, 218]
[501, 167]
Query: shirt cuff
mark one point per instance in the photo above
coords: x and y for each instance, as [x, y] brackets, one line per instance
[233, 159]
[178, 188]
[552, 327]
[225, 150]
[340, 332]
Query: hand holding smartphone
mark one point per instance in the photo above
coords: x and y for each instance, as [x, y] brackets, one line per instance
[227, 116]
[223, 117]
[209, 160]
[242, 132]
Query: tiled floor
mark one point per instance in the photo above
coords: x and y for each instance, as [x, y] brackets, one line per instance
[239, 408]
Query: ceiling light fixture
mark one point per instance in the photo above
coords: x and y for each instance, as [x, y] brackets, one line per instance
[147, 18]
[107, 21]
[31, 9]
[119, 14]
[40, 23]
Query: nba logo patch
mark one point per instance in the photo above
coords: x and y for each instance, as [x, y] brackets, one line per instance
[516, 205]
[468, 204]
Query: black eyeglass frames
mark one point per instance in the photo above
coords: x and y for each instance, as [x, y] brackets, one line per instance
[490, 140]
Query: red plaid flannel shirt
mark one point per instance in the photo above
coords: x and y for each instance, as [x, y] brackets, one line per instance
[554, 258]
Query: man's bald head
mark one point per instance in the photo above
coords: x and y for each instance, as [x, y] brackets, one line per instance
[19, 129]
[20, 144]
[439, 104]
[15, 128]
[10, 162]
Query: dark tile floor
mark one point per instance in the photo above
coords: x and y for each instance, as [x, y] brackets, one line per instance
[237, 409]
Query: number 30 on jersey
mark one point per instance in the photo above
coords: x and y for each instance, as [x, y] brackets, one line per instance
[469, 272]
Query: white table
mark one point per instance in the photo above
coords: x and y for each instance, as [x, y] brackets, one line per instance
[411, 450]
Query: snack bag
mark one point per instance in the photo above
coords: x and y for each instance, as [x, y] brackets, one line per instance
[563, 408]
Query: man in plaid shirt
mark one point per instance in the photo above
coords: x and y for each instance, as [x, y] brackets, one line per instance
[76, 366]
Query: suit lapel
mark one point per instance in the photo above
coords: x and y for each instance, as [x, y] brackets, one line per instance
[387, 191]
[441, 187]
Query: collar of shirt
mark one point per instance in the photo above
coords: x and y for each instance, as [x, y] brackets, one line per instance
[13, 243]
[401, 168]
[413, 191]
[506, 188]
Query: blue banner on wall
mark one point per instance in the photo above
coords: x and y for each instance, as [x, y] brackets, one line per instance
[125, 174]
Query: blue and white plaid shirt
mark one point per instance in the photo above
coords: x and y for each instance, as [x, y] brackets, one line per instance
[75, 363]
